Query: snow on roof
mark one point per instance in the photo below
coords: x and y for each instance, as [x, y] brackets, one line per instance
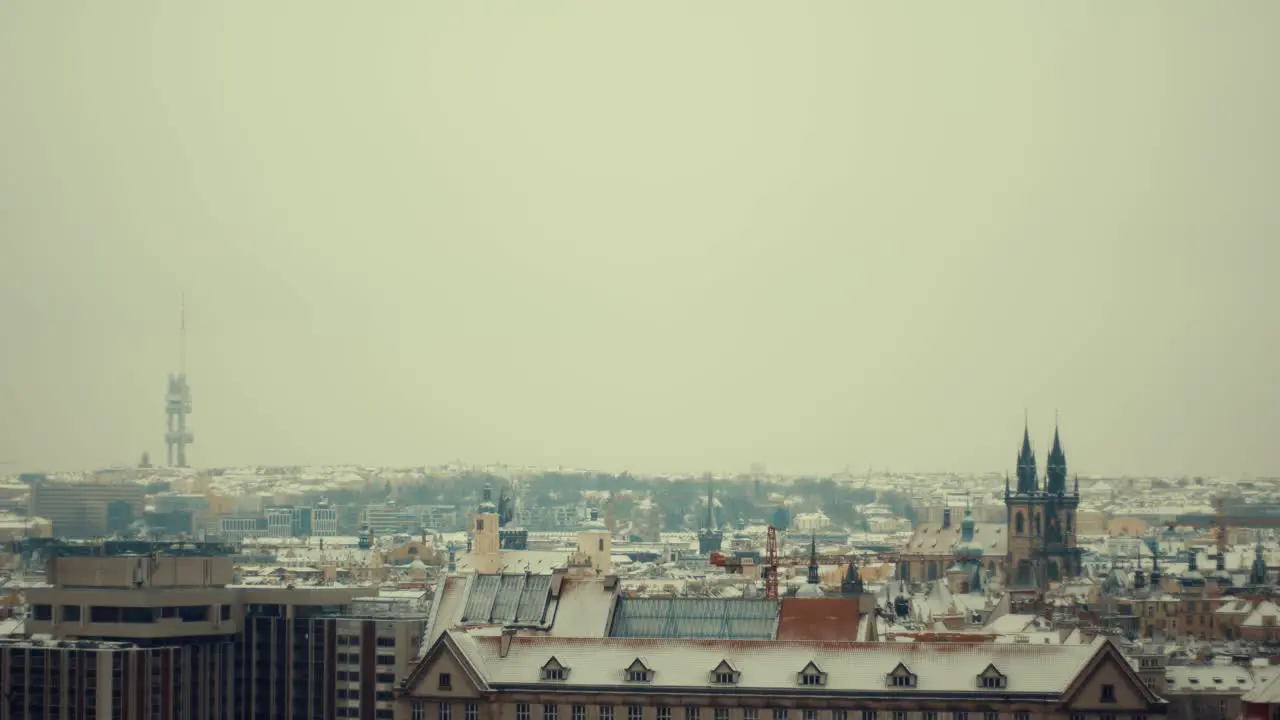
[772, 664]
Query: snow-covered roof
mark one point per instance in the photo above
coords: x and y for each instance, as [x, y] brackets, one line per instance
[773, 664]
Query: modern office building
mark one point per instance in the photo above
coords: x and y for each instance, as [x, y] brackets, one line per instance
[87, 509]
[181, 641]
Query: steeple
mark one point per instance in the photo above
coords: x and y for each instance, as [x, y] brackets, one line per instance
[1056, 467]
[1139, 577]
[1028, 481]
[852, 584]
[1155, 565]
[813, 559]
[1258, 575]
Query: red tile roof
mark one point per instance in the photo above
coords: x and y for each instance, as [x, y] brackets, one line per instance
[833, 619]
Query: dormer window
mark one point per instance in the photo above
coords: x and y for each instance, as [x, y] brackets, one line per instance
[726, 673]
[901, 677]
[992, 679]
[639, 672]
[812, 675]
[554, 670]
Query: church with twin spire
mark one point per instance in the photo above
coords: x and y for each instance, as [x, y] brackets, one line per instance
[1041, 519]
[1033, 545]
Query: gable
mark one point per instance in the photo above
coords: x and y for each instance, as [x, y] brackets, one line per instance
[637, 665]
[725, 667]
[553, 664]
[1127, 694]
[900, 671]
[442, 673]
[811, 669]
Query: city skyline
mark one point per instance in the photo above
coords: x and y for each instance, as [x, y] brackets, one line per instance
[654, 238]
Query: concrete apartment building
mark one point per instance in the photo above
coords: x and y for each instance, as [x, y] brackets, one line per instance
[157, 631]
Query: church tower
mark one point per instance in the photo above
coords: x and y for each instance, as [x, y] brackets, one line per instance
[1041, 520]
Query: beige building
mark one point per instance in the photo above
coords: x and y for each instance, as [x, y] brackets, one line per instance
[502, 676]
[214, 650]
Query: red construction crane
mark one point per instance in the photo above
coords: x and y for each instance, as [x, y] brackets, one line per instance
[769, 568]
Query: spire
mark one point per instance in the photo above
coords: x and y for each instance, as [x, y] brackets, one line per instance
[1258, 575]
[1057, 466]
[852, 584]
[813, 559]
[1155, 564]
[1028, 481]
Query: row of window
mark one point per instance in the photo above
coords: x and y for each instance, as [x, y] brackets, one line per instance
[354, 658]
[354, 712]
[382, 677]
[812, 675]
[524, 711]
[354, 640]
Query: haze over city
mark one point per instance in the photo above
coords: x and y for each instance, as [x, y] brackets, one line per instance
[655, 237]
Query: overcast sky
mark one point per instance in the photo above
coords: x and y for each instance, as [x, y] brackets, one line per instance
[656, 236]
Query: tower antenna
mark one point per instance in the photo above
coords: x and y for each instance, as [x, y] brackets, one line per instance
[177, 402]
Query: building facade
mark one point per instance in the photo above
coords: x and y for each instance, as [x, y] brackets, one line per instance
[470, 676]
[172, 616]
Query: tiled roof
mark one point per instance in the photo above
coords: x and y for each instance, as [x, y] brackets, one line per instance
[819, 619]
[773, 665]
[1264, 693]
[725, 618]
[933, 539]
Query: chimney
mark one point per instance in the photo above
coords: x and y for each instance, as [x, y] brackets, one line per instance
[505, 641]
[946, 518]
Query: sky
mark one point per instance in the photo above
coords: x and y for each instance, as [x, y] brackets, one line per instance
[652, 236]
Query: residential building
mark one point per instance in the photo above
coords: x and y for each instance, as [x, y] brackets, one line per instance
[86, 509]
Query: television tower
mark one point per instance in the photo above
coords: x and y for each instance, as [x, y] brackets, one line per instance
[177, 402]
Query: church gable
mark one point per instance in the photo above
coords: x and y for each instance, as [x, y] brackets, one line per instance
[442, 673]
[1107, 685]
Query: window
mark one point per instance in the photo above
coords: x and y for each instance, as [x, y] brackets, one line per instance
[579, 712]
[990, 716]
[522, 711]
[930, 715]
[444, 711]
[471, 711]
[606, 712]
[721, 714]
[1022, 715]
[384, 714]
[446, 682]
[386, 642]
[959, 715]
[391, 677]
[900, 681]
[1106, 716]
[639, 674]
[692, 712]
[812, 675]
[1077, 717]
[1108, 693]
[550, 711]
[386, 659]
[868, 715]
[553, 673]
[750, 714]
[810, 715]
[383, 696]
[635, 712]
[779, 714]
[723, 678]
[990, 682]
[664, 712]
[419, 711]
[899, 715]
[839, 715]
[71, 613]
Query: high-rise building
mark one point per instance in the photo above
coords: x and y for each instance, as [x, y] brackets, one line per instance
[148, 630]
[87, 509]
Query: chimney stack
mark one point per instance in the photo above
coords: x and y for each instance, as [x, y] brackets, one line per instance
[946, 518]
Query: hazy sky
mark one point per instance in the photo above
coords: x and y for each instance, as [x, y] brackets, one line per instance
[643, 235]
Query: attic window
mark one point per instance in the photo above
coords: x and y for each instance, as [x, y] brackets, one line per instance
[811, 676]
[554, 670]
[638, 672]
[726, 673]
[901, 677]
[992, 679]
